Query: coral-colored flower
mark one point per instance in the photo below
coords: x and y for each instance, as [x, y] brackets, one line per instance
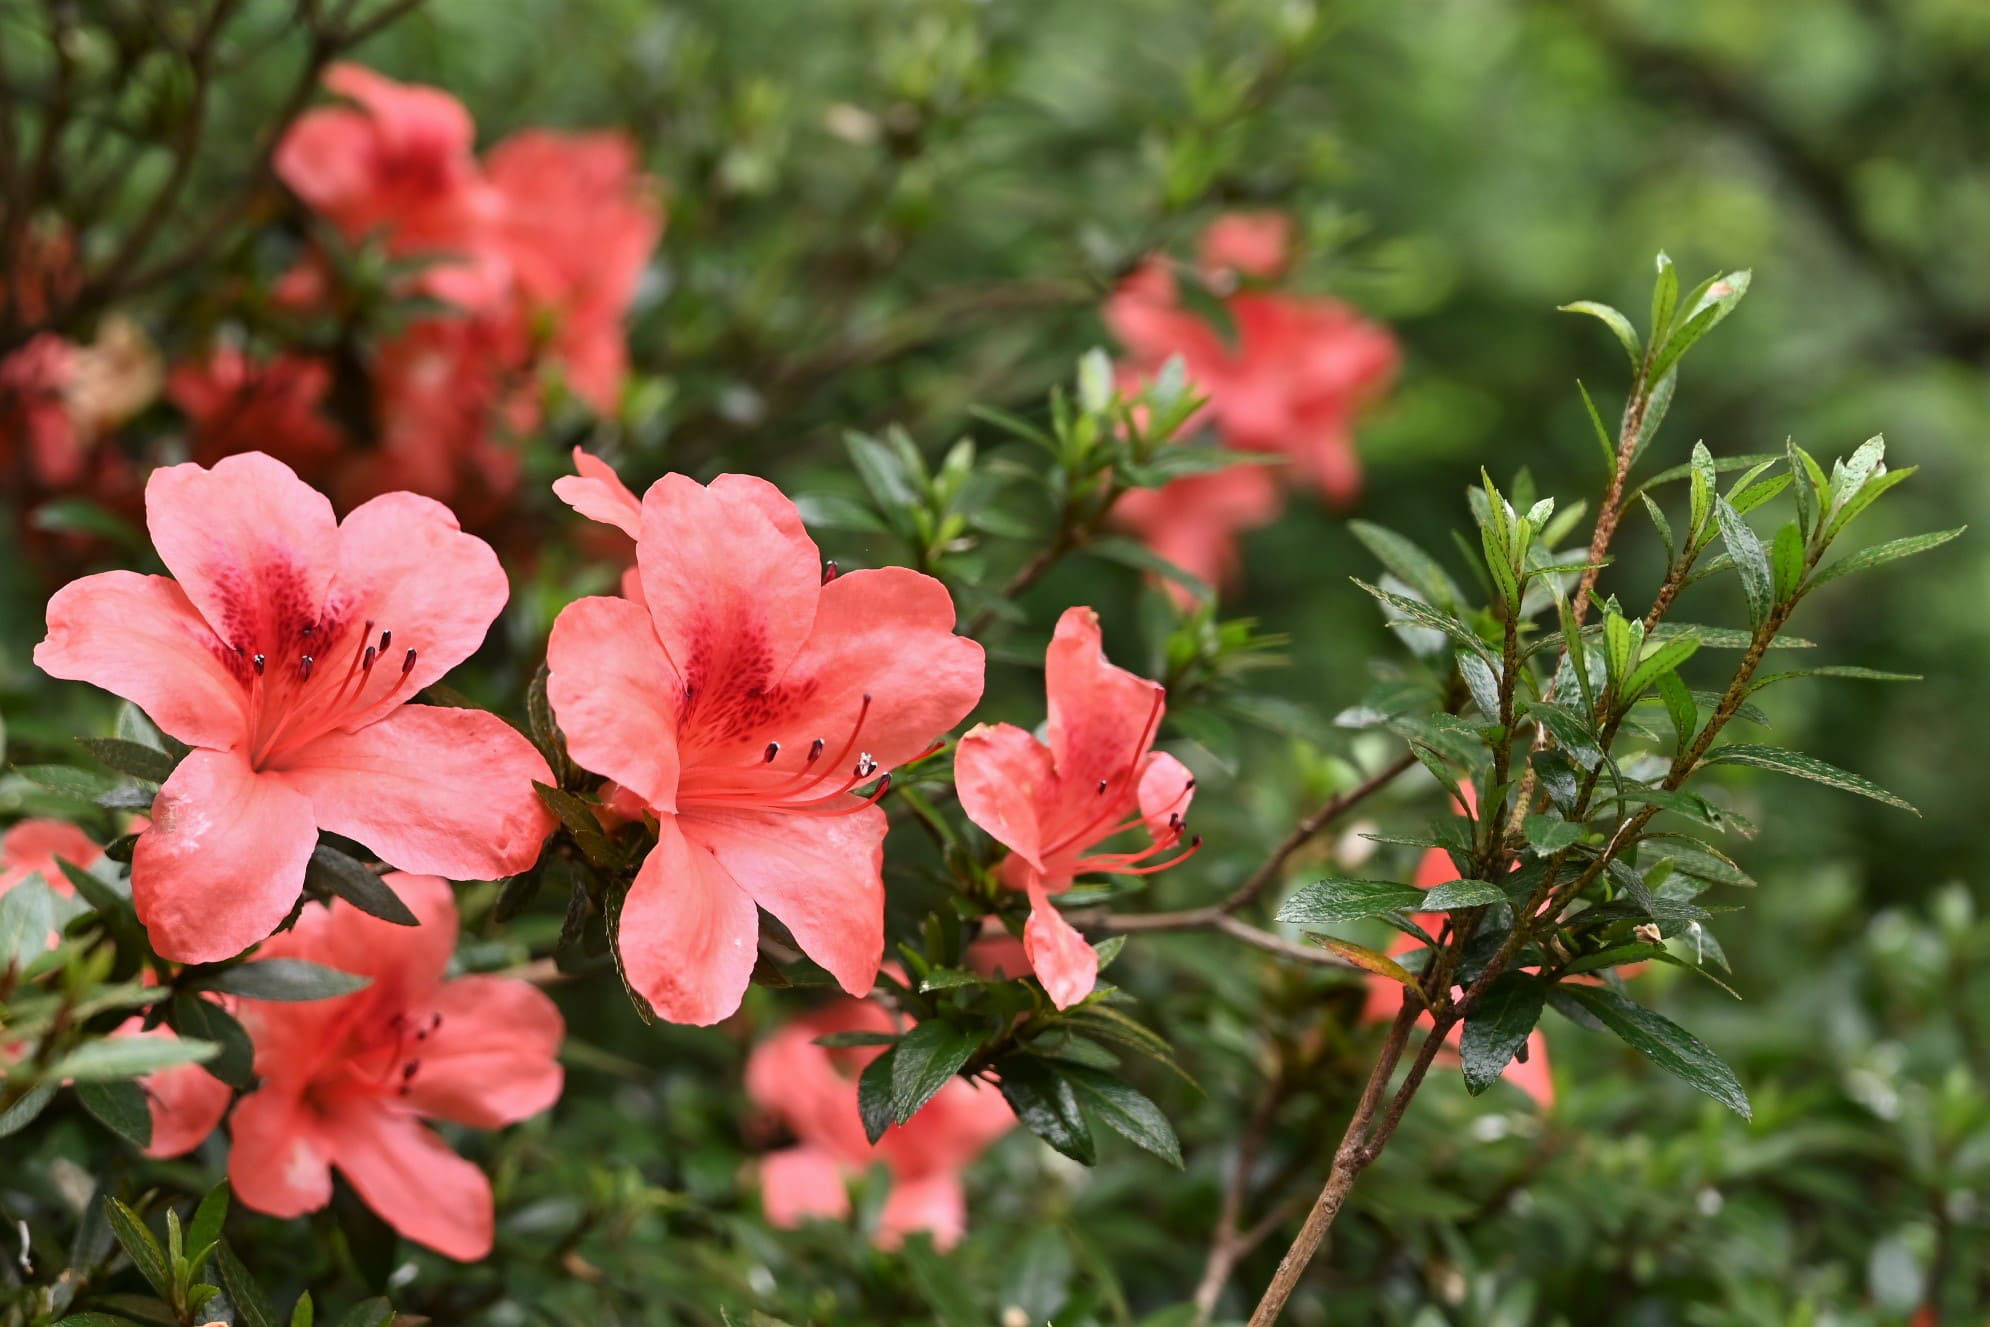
[186, 1102]
[1052, 802]
[1194, 521]
[396, 164]
[32, 847]
[1292, 383]
[348, 1081]
[283, 650]
[578, 225]
[1253, 244]
[598, 493]
[39, 434]
[813, 1091]
[236, 404]
[1528, 1071]
[744, 700]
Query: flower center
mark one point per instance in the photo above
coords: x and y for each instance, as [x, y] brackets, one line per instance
[815, 781]
[303, 694]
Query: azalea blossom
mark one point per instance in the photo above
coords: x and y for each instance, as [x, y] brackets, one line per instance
[1052, 802]
[812, 1090]
[598, 493]
[186, 1102]
[35, 847]
[744, 701]
[348, 1082]
[1251, 244]
[1528, 1070]
[235, 404]
[284, 649]
[1194, 521]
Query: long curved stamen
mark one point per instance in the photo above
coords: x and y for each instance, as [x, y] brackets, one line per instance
[1152, 868]
[284, 717]
[1094, 828]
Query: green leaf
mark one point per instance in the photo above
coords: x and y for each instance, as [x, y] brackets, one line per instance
[1702, 503]
[128, 1057]
[95, 1320]
[1750, 562]
[1869, 493]
[1339, 899]
[1802, 470]
[141, 1247]
[1548, 835]
[1663, 658]
[332, 872]
[81, 784]
[928, 1057]
[1570, 730]
[27, 915]
[1602, 434]
[25, 1108]
[1663, 1042]
[1786, 558]
[883, 473]
[1131, 553]
[1124, 1110]
[119, 1106]
[302, 1315]
[131, 758]
[1664, 297]
[1715, 305]
[286, 979]
[1832, 670]
[1414, 567]
[1881, 554]
[1047, 1105]
[577, 815]
[1456, 894]
[1663, 526]
[874, 1096]
[1423, 615]
[204, 1020]
[208, 1219]
[1679, 707]
[369, 1313]
[252, 1306]
[1498, 1026]
[1783, 761]
[1619, 326]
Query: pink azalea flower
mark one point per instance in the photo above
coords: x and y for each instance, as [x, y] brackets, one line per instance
[1530, 1074]
[1194, 521]
[579, 224]
[1292, 383]
[39, 432]
[348, 1081]
[236, 404]
[598, 493]
[32, 847]
[1252, 244]
[396, 163]
[283, 649]
[812, 1090]
[743, 701]
[1052, 802]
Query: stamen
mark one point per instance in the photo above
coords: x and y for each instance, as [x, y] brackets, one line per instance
[829, 572]
[259, 661]
[386, 639]
[773, 749]
[408, 664]
[366, 664]
[304, 666]
[1102, 786]
[815, 750]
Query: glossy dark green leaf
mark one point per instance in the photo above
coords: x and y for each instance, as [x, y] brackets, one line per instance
[874, 1096]
[926, 1060]
[369, 1313]
[285, 979]
[131, 758]
[1664, 1043]
[1326, 902]
[129, 1057]
[140, 1246]
[191, 1016]
[1047, 1105]
[121, 1107]
[331, 871]
[1107, 1098]
[1803, 767]
[1498, 1026]
[252, 1305]
[1455, 894]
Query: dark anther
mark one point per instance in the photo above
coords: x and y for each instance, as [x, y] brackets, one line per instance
[1174, 820]
[884, 786]
[386, 639]
[367, 663]
[828, 572]
[410, 1069]
[815, 749]
[304, 667]
[773, 749]
[407, 664]
[1102, 787]
[1195, 842]
[307, 631]
[1190, 783]
[259, 662]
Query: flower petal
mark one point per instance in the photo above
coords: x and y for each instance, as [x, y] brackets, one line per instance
[1002, 775]
[433, 790]
[278, 1160]
[802, 1184]
[35, 846]
[187, 1103]
[615, 694]
[1166, 789]
[139, 637]
[935, 1204]
[599, 494]
[223, 860]
[689, 934]
[406, 566]
[413, 1181]
[490, 1061]
[253, 546]
[819, 874]
[731, 579]
[1064, 963]
[888, 634]
[1102, 717]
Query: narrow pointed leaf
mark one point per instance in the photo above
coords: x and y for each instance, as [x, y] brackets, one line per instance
[1804, 767]
[1663, 1042]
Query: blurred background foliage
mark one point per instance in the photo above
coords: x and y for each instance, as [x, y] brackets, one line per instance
[883, 211]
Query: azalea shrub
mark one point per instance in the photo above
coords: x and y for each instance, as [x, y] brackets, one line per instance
[489, 840]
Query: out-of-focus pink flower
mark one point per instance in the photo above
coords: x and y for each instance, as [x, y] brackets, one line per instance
[348, 1081]
[38, 430]
[396, 164]
[578, 224]
[743, 700]
[284, 649]
[812, 1090]
[186, 1102]
[237, 404]
[1252, 244]
[1293, 381]
[1052, 802]
[32, 847]
[1194, 521]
